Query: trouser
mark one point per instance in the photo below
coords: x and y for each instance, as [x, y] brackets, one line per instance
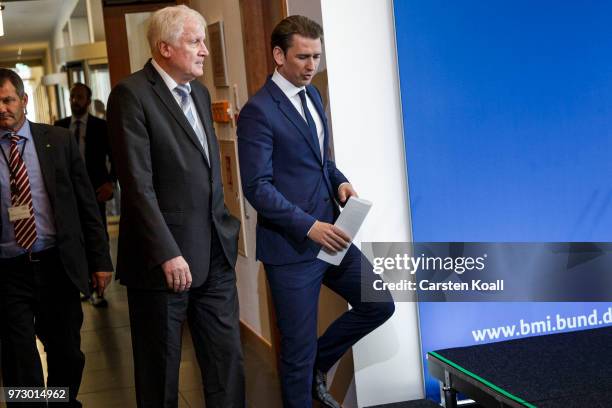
[38, 299]
[295, 291]
[211, 310]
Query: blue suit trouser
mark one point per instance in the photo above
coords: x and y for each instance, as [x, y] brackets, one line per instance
[295, 291]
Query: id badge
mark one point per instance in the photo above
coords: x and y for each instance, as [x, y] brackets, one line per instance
[20, 212]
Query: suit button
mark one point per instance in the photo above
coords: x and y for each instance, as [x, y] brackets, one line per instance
[326, 199]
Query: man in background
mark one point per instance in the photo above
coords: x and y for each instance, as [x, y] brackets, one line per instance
[178, 243]
[91, 136]
[51, 236]
[293, 184]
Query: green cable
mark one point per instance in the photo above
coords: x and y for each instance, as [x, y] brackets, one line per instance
[482, 380]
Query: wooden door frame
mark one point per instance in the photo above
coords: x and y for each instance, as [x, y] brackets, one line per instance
[259, 17]
[116, 35]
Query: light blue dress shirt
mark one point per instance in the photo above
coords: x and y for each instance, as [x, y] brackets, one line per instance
[43, 213]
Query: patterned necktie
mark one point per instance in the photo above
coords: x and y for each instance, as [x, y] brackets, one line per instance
[311, 123]
[25, 229]
[183, 92]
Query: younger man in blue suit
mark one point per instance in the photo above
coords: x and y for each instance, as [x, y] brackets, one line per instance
[293, 184]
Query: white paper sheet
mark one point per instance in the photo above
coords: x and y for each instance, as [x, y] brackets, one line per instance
[349, 221]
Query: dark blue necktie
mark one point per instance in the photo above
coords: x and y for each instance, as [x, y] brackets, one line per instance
[311, 123]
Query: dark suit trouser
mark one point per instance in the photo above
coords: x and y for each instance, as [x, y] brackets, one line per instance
[211, 310]
[295, 291]
[38, 299]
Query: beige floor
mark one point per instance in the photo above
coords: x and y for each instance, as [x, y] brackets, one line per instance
[108, 379]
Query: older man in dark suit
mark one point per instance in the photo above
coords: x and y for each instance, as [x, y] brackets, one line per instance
[177, 241]
[51, 235]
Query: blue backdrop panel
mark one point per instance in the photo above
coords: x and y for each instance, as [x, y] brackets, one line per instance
[508, 128]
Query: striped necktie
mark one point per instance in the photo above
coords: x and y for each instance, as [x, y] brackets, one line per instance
[25, 229]
[183, 92]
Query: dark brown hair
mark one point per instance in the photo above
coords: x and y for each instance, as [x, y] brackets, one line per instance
[10, 75]
[282, 34]
[87, 89]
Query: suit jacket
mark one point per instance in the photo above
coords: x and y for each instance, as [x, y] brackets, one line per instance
[170, 197]
[97, 149]
[283, 177]
[80, 235]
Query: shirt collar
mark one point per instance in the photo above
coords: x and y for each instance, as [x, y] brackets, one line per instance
[170, 83]
[82, 119]
[287, 87]
[25, 132]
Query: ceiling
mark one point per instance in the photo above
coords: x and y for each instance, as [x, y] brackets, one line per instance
[28, 22]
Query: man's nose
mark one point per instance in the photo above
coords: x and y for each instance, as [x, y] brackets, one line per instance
[204, 50]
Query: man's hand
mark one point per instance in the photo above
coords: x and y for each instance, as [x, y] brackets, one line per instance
[345, 191]
[329, 236]
[178, 276]
[100, 281]
[104, 192]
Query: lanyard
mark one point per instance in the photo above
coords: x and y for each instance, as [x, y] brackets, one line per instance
[14, 189]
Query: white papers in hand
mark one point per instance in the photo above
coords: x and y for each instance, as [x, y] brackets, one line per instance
[349, 221]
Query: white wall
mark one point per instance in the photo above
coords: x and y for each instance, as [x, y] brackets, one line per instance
[96, 20]
[312, 10]
[64, 16]
[369, 146]
[79, 30]
[136, 25]
[252, 292]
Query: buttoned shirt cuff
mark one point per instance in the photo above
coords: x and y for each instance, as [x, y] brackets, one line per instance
[310, 229]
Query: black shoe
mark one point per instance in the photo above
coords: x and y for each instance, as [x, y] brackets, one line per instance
[320, 392]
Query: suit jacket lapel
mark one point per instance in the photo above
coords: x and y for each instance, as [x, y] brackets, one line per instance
[287, 108]
[44, 151]
[204, 114]
[166, 97]
[315, 97]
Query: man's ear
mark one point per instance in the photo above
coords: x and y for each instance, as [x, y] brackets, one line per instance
[164, 49]
[279, 56]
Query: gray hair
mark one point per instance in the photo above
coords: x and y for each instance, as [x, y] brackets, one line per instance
[167, 25]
